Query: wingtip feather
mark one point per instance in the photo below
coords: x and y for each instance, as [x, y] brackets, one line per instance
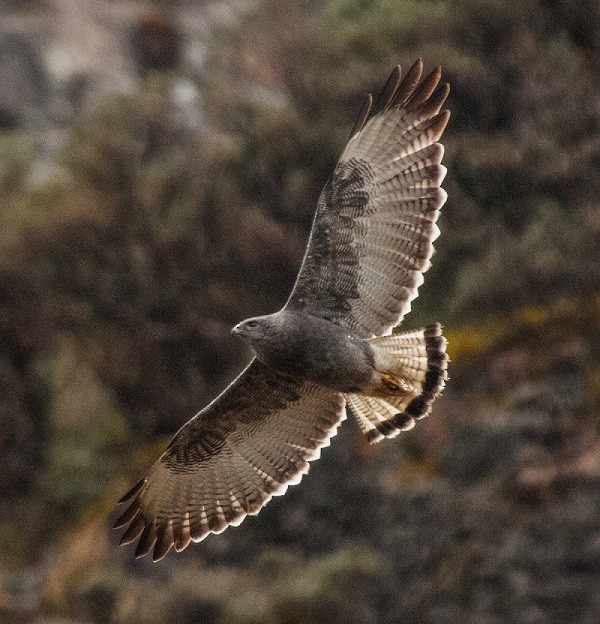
[386, 96]
[409, 83]
[363, 115]
[127, 516]
[132, 492]
[146, 541]
[425, 89]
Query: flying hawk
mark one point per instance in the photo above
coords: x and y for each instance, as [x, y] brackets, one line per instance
[331, 347]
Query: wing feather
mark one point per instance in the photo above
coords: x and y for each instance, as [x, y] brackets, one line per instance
[376, 219]
[227, 462]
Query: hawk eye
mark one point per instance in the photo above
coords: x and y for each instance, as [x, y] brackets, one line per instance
[252, 324]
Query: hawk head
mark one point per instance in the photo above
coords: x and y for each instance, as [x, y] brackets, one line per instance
[256, 329]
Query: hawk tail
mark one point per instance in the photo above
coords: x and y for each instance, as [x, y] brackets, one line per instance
[412, 370]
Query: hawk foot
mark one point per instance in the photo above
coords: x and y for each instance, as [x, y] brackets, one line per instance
[394, 384]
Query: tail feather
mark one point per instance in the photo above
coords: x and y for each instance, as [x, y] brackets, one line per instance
[376, 417]
[413, 372]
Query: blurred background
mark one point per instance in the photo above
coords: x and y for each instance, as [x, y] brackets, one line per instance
[159, 168]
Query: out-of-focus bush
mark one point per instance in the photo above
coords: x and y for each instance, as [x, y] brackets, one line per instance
[154, 254]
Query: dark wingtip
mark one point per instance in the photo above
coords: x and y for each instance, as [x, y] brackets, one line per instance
[418, 65]
[435, 329]
[133, 531]
[425, 89]
[147, 541]
[127, 516]
[409, 83]
[156, 557]
[437, 124]
[403, 421]
[132, 492]
[433, 104]
[386, 96]
[409, 92]
[164, 543]
[363, 115]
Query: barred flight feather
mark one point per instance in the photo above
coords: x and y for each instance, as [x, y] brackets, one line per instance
[418, 359]
[183, 499]
[376, 216]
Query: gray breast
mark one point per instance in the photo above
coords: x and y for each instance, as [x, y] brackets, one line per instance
[318, 350]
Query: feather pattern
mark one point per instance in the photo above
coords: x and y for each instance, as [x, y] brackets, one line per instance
[375, 223]
[418, 358]
[248, 445]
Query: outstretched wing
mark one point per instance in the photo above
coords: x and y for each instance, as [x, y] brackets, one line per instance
[372, 235]
[249, 444]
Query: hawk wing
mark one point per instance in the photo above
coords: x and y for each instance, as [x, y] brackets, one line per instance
[372, 235]
[249, 444]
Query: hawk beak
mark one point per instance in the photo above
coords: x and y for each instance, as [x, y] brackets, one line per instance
[236, 330]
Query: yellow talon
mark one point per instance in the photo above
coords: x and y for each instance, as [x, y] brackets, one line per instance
[395, 384]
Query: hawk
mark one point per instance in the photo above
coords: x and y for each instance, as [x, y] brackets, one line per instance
[331, 347]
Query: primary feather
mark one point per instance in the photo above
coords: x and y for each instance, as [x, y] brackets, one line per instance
[372, 236]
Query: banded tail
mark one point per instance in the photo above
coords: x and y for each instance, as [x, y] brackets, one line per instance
[412, 369]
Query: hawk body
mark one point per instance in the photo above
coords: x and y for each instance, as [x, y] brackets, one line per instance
[331, 349]
[296, 343]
